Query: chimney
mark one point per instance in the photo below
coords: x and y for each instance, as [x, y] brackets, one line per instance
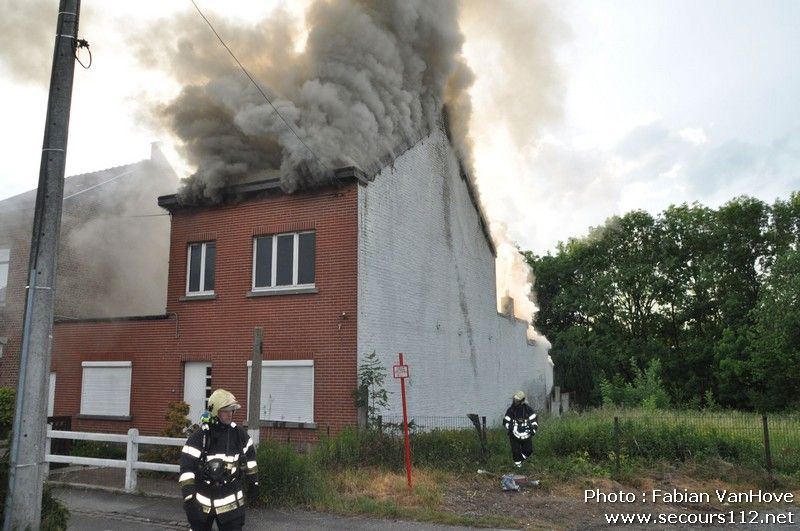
[507, 305]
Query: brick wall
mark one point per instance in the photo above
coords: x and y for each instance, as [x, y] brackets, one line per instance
[109, 243]
[220, 330]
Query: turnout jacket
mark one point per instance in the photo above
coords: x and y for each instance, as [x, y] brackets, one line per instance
[520, 421]
[231, 445]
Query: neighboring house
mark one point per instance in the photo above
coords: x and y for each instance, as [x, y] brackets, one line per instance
[399, 263]
[113, 250]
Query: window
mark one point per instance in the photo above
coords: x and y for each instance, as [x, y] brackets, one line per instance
[287, 390]
[5, 255]
[200, 268]
[106, 388]
[283, 261]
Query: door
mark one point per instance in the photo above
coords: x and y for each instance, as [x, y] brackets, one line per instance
[196, 387]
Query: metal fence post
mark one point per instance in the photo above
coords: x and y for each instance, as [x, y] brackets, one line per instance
[131, 458]
[484, 442]
[767, 450]
[616, 447]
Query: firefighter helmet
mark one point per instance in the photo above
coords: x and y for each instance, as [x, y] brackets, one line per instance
[221, 399]
[519, 396]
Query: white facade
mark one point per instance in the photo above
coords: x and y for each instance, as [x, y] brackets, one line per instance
[426, 287]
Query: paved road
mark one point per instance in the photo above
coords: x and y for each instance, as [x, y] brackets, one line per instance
[93, 510]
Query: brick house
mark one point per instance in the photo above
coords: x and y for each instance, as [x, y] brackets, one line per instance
[401, 262]
[103, 259]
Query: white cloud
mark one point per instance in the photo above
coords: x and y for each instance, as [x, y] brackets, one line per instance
[695, 135]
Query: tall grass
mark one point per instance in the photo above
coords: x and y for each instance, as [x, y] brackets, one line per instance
[576, 444]
[676, 435]
[736, 437]
[286, 477]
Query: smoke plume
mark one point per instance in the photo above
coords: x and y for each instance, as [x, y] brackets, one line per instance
[356, 83]
[369, 83]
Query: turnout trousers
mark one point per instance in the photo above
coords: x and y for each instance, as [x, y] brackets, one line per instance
[521, 449]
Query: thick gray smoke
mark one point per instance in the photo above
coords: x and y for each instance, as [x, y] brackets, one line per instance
[370, 82]
[372, 79]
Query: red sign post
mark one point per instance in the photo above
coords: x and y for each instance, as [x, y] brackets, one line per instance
[401, 371]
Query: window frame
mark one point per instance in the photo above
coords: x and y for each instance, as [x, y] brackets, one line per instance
[274, 263]
[83, 412]
[203, 248]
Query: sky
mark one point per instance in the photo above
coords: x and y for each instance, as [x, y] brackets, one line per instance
[647, 104]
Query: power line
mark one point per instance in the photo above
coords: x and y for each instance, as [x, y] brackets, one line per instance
[123, 174]
[258, 87]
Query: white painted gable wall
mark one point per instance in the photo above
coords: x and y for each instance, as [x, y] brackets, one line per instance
[426, 287]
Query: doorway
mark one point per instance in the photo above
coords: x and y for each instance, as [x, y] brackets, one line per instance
[196, 387]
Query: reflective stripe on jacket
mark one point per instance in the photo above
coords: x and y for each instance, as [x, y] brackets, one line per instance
[521, 416]
[227, 444]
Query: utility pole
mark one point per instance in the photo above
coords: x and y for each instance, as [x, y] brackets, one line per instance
[27, 467]
[254, 398]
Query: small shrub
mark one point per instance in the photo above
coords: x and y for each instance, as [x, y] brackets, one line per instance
[178, 425]
[55, 515]
[8, 403]
[99, 449]
[646, 390]
[371, 393]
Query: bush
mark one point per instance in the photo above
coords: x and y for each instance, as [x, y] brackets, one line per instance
[371, 395]
[646, 391]
[54, 515]
[178, 425]
[286, 477]
[99, 449]
[8, 403]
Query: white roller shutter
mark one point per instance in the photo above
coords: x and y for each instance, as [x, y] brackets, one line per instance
[287, 390]
[106, 388]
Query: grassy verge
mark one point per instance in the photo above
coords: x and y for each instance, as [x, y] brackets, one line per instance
[362, 472]
[385, 494]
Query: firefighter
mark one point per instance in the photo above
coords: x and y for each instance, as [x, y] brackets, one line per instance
[212, 462]
[520, 421]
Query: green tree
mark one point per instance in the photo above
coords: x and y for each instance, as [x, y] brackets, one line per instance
[693, 289]
[774, 344]
[691, 322]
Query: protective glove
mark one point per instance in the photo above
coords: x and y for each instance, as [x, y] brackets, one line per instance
[193, 509]
[253, 491]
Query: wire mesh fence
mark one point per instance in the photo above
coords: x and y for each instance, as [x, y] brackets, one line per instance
[394, 423]
[769, 441]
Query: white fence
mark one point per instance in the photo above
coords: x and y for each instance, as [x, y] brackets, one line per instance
[131, 464]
